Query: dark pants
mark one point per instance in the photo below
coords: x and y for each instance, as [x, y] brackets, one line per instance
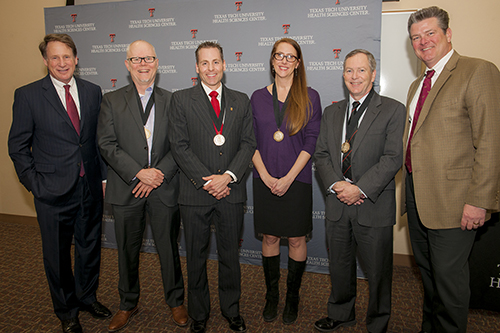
[80, 217]
[346, 237]
[130, 223]
[228, 221]
[442, 257]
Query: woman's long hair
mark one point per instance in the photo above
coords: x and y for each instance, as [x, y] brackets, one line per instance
[299, 109]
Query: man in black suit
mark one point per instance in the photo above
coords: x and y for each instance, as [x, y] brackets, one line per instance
[142, 178]
[358, 153]
[52, 143]
[213, 142]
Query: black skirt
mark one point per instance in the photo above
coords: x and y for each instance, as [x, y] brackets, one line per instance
[289, 215]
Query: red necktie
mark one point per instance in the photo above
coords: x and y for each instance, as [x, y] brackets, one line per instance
[215, 102]
[71, 109]
[75, 119]
[426, 87]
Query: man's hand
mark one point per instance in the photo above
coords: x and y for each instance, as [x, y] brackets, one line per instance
[473, 217]
[217, 185]
[103, 189]
[151, 177]
[348, 193]
[142, 190]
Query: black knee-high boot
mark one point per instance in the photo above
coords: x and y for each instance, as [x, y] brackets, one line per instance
[293, 281]
[272, 274]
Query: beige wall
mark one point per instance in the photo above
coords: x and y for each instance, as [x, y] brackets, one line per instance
[22, 28]
[474, 26]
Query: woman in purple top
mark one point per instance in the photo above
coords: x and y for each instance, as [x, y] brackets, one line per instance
[287, 116]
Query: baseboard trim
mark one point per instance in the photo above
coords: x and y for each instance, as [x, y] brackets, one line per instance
[19, 219]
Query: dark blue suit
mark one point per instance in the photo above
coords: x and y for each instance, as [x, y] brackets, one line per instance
[47, 153]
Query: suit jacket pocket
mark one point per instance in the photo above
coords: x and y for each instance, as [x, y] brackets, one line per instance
[45, 168]
[459, 174]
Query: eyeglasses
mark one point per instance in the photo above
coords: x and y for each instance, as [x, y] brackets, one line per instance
[138, 60]
[288, 57]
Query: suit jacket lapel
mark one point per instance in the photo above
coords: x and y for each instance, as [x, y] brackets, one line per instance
[52, 97]
[338, 128]
[371, 113]
[82, 97]
[229, 108]
[443, 77]
[133, 107]
[159, 114]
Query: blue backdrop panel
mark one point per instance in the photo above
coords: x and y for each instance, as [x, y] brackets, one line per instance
[326, 30]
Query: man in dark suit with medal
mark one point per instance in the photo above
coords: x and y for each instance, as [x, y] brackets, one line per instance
[52, 143]
[212, 140]
[358, 153]
[143, 178]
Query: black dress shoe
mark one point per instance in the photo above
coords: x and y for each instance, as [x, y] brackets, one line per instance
[198, 326]
[71, 326]
[236, 324]
[329, 325]
[97, 310]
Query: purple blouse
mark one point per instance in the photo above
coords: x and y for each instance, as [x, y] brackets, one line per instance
[279, 157]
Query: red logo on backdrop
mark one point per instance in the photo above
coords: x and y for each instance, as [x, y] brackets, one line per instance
[194, 31]
[337, 51]
[194, 79]
[151, 11]
[73, 16]
[112, 36]
[113, 81]
[238, 5]
[238, 55]
[338, 2]
[286, 27]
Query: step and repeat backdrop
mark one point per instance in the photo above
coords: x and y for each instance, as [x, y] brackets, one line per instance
[326, 30]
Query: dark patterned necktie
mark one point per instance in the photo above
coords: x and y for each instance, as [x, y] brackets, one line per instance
[351, 129]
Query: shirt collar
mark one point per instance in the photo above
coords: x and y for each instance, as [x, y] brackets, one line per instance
[439, 66]
[208, 90]
[60, 85]
[361, 100]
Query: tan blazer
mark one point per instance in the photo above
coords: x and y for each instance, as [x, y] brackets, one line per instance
[456, 144]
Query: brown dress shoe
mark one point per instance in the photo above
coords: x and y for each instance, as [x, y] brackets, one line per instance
[179, 315]
[121, 319]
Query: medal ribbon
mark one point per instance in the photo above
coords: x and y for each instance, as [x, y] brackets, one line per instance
[279, 114]
[145, 112]
[217, 121]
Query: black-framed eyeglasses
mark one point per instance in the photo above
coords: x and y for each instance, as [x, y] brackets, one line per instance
[138, 60]
[288, 57]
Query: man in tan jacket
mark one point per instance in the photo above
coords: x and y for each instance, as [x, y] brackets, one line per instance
[452, 165]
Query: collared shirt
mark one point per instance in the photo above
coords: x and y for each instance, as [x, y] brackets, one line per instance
[73, 90]
[208, 90]
[150, 124]
[438, 68]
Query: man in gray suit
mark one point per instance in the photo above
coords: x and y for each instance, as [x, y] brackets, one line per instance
[211, 133]
[358, 153]
[142, 178]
